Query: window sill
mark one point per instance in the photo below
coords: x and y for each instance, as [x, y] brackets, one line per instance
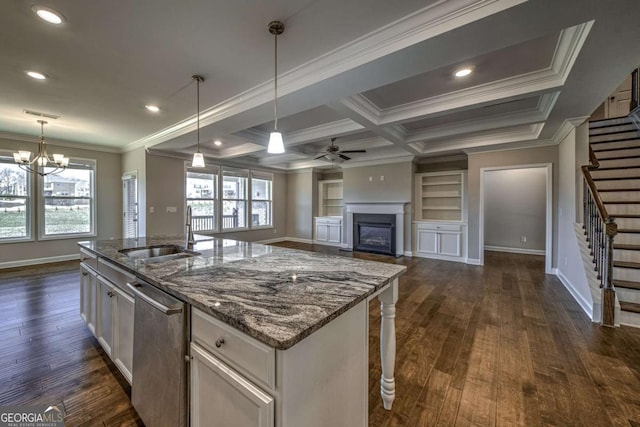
[18, 240]
[68, 236]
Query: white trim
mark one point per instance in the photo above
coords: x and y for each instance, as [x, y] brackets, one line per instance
[515, 250]
[324, 243]
[473, 261]
[399, 159]
[583, 303]
[549, 209]
[408, 253]
[431, 21]
[554, 271]
[37, 261]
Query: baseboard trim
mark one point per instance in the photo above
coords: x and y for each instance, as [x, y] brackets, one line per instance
[408, 253]
[473, 261]
[583, 303]
[515, 250]
[36, 261]
[267, 241]
[298, 240]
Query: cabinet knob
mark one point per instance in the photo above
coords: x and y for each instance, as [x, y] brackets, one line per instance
[219, 342]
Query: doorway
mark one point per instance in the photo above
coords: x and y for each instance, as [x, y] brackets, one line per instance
[516, 210]
[130, 205]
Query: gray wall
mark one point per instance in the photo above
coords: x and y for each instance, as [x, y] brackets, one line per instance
[301, 197]
[135, 161]
[522, 157]
[515, 206]
[570, 266]
[396, 186]
[108, 206]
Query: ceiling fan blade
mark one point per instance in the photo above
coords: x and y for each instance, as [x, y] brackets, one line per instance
[342, 156]
[320, 156]
[353, 151]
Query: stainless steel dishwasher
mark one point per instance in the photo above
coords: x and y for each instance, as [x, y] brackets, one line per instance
[159, 385]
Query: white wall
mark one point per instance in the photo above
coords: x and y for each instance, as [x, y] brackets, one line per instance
[571, 269]
[515, 207]
[108, 207]
[301, 197]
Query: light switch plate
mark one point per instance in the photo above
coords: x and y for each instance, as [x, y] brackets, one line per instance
[172, 209]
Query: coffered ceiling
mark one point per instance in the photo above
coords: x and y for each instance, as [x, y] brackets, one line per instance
[377, 75]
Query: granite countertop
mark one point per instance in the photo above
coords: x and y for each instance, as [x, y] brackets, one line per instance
[277, 295]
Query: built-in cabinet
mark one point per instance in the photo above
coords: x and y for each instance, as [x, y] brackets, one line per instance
[107, 308]
[440, 225]
[328, 230]
[331, 201]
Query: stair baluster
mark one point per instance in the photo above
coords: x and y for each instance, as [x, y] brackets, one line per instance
[600, 230]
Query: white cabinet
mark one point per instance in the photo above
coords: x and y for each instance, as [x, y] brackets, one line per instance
[108, 308]
[328, 230]
[88, 296]
[330, 203]
[123, 332]
[222, 397]
[105, 314]
[440, 240]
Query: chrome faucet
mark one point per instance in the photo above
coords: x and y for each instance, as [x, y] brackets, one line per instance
[190, 239]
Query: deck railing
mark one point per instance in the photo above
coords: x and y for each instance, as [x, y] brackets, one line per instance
[600, 229]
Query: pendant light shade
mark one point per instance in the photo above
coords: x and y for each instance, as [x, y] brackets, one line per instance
[198, 158]
[276, 144]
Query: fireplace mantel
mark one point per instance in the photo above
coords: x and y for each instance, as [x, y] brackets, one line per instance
[396, 208]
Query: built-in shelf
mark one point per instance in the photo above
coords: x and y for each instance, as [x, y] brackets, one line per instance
[440, 196]
[330, 194]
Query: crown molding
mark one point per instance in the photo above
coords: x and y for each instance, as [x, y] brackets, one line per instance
[431, 21]
[385, 161]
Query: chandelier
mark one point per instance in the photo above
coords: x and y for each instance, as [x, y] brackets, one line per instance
[36, 165]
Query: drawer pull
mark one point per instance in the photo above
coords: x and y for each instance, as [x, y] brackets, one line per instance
[219, 342]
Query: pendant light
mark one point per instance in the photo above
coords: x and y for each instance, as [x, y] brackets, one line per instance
[198, 158]
[276, 145]
[36, 165]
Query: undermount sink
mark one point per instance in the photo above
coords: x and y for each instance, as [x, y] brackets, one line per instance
[158, 253]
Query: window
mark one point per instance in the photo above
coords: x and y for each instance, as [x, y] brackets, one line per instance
[202, 195]
[234, 199]
[15, 201]
[68, 200]
[261, 199]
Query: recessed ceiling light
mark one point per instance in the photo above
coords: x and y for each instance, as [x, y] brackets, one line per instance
[463, 72]
[152, 108]
[36, 75]
[217, 142]
[49, 15]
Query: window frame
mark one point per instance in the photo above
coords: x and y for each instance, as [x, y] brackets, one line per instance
[240, 173]
[265, 176]
[92, 205]
[7, 157]
[212, 170]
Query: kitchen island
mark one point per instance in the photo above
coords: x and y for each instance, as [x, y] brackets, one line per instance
[287, 328]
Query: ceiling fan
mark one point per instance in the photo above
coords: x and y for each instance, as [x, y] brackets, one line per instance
[333, 153]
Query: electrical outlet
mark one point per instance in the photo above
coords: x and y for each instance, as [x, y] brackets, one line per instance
[172, 209]
[370, 178]
[523, 239]
[152, 209]
[381, 177]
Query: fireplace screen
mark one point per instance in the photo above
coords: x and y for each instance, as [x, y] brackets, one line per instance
[374, 233]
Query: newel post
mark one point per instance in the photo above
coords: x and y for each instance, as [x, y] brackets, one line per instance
[609, 293]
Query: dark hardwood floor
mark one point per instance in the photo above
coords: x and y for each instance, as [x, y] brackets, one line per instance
[502, 344]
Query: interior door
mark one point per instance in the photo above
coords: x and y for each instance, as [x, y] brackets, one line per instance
[130, 206]
[619, 103]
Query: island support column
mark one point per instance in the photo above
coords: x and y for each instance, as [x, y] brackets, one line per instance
[388, 299]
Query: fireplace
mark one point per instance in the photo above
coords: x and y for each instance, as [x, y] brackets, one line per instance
[374, 233]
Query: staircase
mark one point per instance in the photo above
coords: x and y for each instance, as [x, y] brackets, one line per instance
[615, 146]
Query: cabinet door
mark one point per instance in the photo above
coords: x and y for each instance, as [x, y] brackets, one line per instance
[105, 314]
[427, 241]
[222, 397]
[85, 294]
[335, 233]
[123, 332]
[449, 244]
[322, 232]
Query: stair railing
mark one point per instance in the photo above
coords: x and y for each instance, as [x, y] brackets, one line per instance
[634, 115]
[600, 229]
